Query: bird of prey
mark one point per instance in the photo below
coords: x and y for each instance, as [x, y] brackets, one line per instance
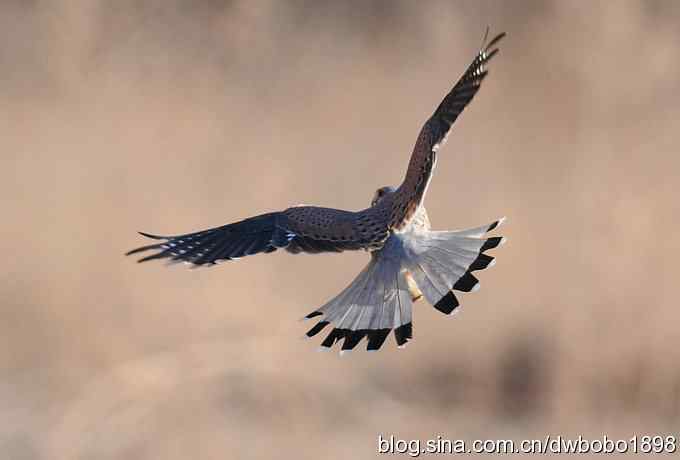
[408, 260]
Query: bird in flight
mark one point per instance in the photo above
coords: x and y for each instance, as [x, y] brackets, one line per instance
[408, 260]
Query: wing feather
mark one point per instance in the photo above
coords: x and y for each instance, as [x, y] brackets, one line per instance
[308, 229]
[438, 126]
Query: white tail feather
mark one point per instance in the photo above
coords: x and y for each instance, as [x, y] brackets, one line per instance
[379, 299]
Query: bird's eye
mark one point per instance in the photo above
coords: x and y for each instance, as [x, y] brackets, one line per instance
[381, 192]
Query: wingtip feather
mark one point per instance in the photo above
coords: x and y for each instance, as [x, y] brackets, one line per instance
[153, 237]
[494, 40]
[488, 56]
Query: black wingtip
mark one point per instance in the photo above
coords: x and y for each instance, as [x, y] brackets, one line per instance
[495, 40]
[148, 246]
[159, 255]
[141, 249]
[491, 54]
[153, 237]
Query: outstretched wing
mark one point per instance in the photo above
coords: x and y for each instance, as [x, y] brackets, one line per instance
[433, 134]
[438, 126]
[307, 229]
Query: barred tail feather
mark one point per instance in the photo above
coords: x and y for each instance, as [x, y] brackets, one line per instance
[379, 300]
[375, 303]
[443, 261]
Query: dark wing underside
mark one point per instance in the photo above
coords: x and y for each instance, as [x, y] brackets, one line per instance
[306, 229]
[250, 236]
[433, 134]
[439, 124]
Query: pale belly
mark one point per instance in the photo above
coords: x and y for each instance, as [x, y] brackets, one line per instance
[419, 222]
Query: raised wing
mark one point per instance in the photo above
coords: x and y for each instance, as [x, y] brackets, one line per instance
[438, 126]
[432, 136]
[307, 229]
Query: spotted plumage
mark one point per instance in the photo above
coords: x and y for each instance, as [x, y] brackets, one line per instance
[408, 261]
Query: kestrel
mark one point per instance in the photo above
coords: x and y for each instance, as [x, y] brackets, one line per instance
[408, 260]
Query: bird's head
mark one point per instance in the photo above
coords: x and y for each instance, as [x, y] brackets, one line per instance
[381, 193]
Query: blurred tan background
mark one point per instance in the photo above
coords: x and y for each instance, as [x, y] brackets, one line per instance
[172, 116]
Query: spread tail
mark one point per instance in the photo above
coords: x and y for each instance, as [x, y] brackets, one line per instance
[419, 262]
